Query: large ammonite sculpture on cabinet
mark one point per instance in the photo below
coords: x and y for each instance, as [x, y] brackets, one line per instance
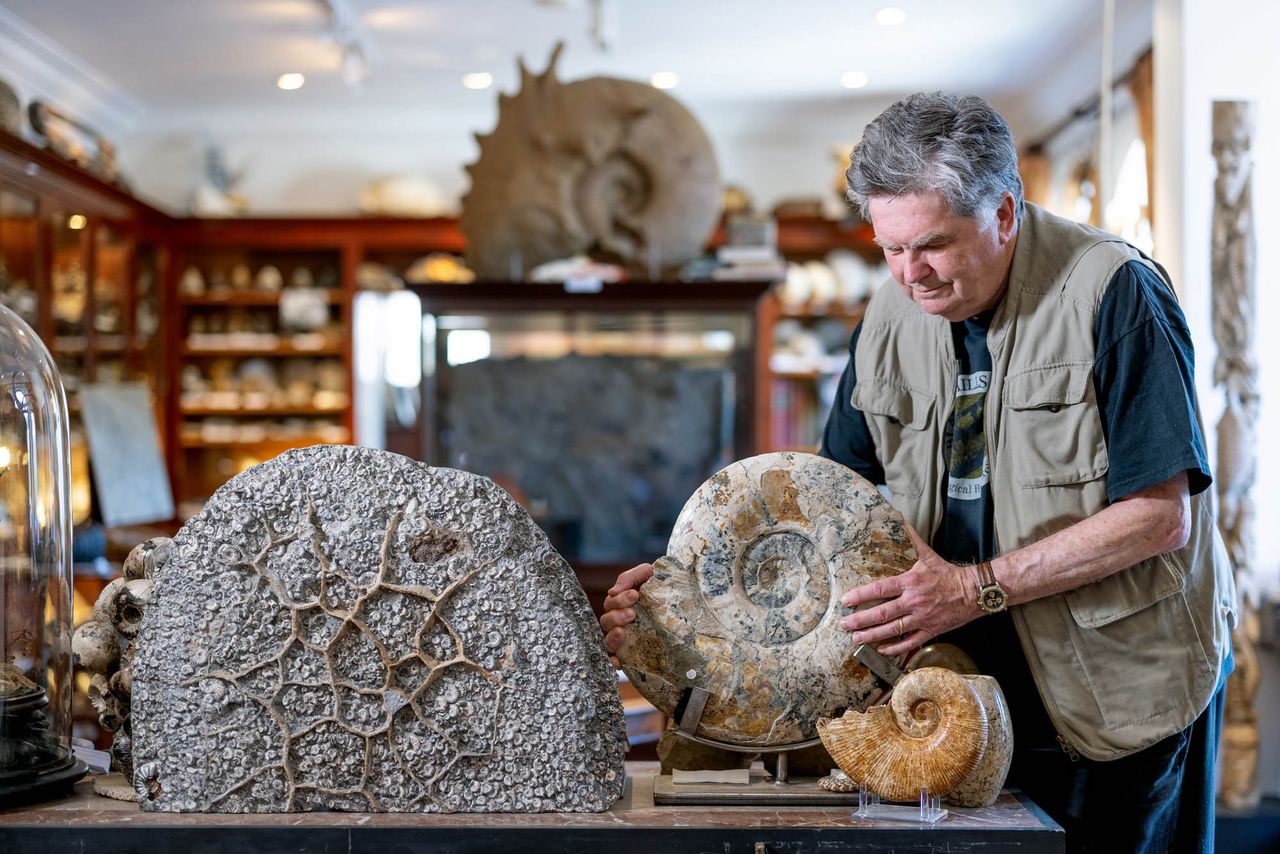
[612, 168]
[744, 606]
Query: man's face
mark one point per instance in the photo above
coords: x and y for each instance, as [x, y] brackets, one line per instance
[951, 266]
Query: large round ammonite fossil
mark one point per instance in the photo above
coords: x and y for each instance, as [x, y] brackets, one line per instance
[746, 601]
[612, 168]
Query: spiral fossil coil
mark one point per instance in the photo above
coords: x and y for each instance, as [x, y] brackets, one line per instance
[942, 730]
[746, 601]
[613, 168]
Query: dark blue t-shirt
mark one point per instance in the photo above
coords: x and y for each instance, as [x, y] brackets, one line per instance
[1143, 377]
[966, 534]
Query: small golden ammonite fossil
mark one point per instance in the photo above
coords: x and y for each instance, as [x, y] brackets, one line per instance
[945, 731]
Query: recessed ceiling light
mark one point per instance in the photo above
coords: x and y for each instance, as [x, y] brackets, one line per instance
[477, 80]
[665, 80]
[854, 79]
[292, 80]
[75, 222]
[890, 16]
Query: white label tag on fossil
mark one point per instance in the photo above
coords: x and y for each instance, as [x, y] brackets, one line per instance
[737, 776]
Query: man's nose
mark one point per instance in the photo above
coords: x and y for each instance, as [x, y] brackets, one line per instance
[914, 269]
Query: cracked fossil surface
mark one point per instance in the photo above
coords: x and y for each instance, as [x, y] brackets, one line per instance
[344, 628]
[746, 602]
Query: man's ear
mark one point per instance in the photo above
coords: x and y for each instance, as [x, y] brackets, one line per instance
[1006, 218]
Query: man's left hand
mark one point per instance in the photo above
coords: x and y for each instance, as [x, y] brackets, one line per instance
[932, 597]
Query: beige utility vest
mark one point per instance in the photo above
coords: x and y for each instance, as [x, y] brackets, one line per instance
[1120, 663]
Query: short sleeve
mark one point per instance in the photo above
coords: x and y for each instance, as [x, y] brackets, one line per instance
[846, 437]
[1143, 374]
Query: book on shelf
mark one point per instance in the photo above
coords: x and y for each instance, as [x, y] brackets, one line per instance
[795, 418]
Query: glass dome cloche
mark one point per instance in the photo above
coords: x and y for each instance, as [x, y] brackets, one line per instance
[35, 568]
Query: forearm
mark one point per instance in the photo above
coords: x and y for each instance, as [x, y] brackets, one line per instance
[1147, 523]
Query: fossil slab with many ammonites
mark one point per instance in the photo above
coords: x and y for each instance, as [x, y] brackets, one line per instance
[746, 601]
[344, 628]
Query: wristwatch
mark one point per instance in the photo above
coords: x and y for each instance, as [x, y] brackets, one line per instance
[991, 596]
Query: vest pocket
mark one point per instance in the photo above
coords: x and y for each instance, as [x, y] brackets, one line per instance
[1123, 593]
[1053, 431]
[1137, 644]
[900, 419]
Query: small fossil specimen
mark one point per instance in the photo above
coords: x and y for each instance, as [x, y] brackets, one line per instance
[942, 730]
[104, 645]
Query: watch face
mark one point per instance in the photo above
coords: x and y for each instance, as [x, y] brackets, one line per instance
[993, 599]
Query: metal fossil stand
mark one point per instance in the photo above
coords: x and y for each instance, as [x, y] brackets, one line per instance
[1234, 309]
[782, 789]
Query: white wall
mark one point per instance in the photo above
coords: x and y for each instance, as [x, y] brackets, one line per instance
[1211, 50]
[302, 163]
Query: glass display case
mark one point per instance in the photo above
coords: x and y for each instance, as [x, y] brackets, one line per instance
[600, 412]
[19, 253]
[35, 567]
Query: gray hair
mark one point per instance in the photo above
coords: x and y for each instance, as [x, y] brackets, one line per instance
[956, 144]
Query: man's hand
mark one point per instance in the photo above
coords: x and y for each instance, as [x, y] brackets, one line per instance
[617, 604]
[932, 597]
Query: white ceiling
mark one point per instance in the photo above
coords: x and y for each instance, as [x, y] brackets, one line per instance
[219, 57]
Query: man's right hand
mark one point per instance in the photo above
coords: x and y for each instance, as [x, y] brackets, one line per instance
[618, 601]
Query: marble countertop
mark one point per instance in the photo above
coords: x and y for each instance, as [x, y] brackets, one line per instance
[636, 809]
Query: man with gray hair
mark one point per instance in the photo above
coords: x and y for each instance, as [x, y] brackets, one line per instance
[1024, 392]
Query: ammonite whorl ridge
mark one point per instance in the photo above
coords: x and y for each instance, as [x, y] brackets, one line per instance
[347, 629]
[945, 731]
[612, 168]
[746, 601]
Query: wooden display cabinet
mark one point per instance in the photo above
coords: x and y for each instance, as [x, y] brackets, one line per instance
[81, 262]
[252, 375]
[799, 394]
[795, 395]
[246, 386]
[73, 251]
[103, 273]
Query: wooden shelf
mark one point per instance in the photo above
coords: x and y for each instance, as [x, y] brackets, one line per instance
[300, 441]
[233, 299]
[70, 345]
[816, 236]
[836, 309]
[802, 375]
[269, 412]
[282, 350]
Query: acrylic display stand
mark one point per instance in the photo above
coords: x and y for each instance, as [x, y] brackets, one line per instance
[929, 810]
